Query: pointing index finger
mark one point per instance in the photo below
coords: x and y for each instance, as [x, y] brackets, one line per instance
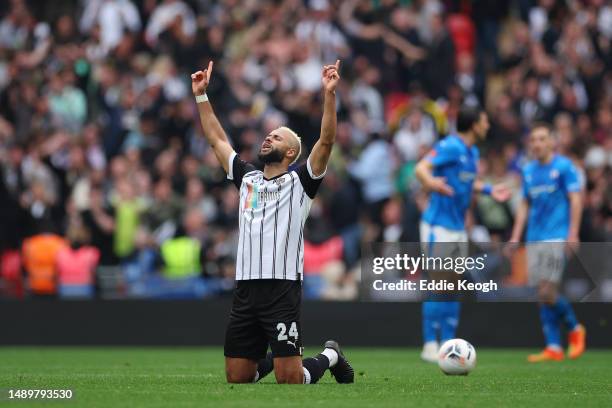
[209, 70]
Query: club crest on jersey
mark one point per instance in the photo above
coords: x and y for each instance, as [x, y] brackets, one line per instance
[554, 173]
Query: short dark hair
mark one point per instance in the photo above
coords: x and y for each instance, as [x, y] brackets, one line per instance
[541, 125]
[467, 117]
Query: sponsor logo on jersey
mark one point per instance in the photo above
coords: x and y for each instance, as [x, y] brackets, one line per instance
[256, 198]
[466, 176]
[252, 196]
[541, 189]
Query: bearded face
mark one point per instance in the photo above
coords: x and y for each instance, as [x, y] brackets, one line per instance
[270, 155]
[278, 145]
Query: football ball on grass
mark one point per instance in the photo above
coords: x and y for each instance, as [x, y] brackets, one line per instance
[456, 357]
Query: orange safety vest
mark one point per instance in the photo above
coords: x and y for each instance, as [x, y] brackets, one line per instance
[39, 259]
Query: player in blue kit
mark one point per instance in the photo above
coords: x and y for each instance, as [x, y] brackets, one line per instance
[449, 172]
[551, 208]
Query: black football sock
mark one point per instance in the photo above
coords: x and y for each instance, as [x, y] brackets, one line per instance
[314, 368]
[264, 367]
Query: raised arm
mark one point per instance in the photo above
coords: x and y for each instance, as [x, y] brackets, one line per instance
[214, 133]
[410, 51]
[355, 28]
[322, 149]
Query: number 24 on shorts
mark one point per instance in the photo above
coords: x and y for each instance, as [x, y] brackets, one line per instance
[282, 331]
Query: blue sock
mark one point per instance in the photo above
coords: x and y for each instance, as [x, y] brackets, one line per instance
[565, 312]
[431, 322]
[449, 320]
[550, 326]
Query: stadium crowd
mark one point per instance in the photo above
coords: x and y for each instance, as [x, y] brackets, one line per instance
[101, 149]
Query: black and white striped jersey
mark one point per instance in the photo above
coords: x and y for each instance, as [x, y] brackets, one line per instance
[271, 220]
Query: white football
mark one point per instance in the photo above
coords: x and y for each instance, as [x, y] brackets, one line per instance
[457, 357]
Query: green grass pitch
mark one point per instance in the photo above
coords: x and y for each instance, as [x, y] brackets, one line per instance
[194, 377]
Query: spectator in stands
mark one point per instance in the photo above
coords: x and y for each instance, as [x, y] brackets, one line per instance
[113, 19]
[98, 140]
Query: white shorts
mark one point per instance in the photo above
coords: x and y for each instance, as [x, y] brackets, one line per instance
[437, 241]
[545, 261]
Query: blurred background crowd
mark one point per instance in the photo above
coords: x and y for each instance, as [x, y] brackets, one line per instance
[108, 188]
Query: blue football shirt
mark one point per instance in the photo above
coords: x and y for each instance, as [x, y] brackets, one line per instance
[546, 187]
[454, 160]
